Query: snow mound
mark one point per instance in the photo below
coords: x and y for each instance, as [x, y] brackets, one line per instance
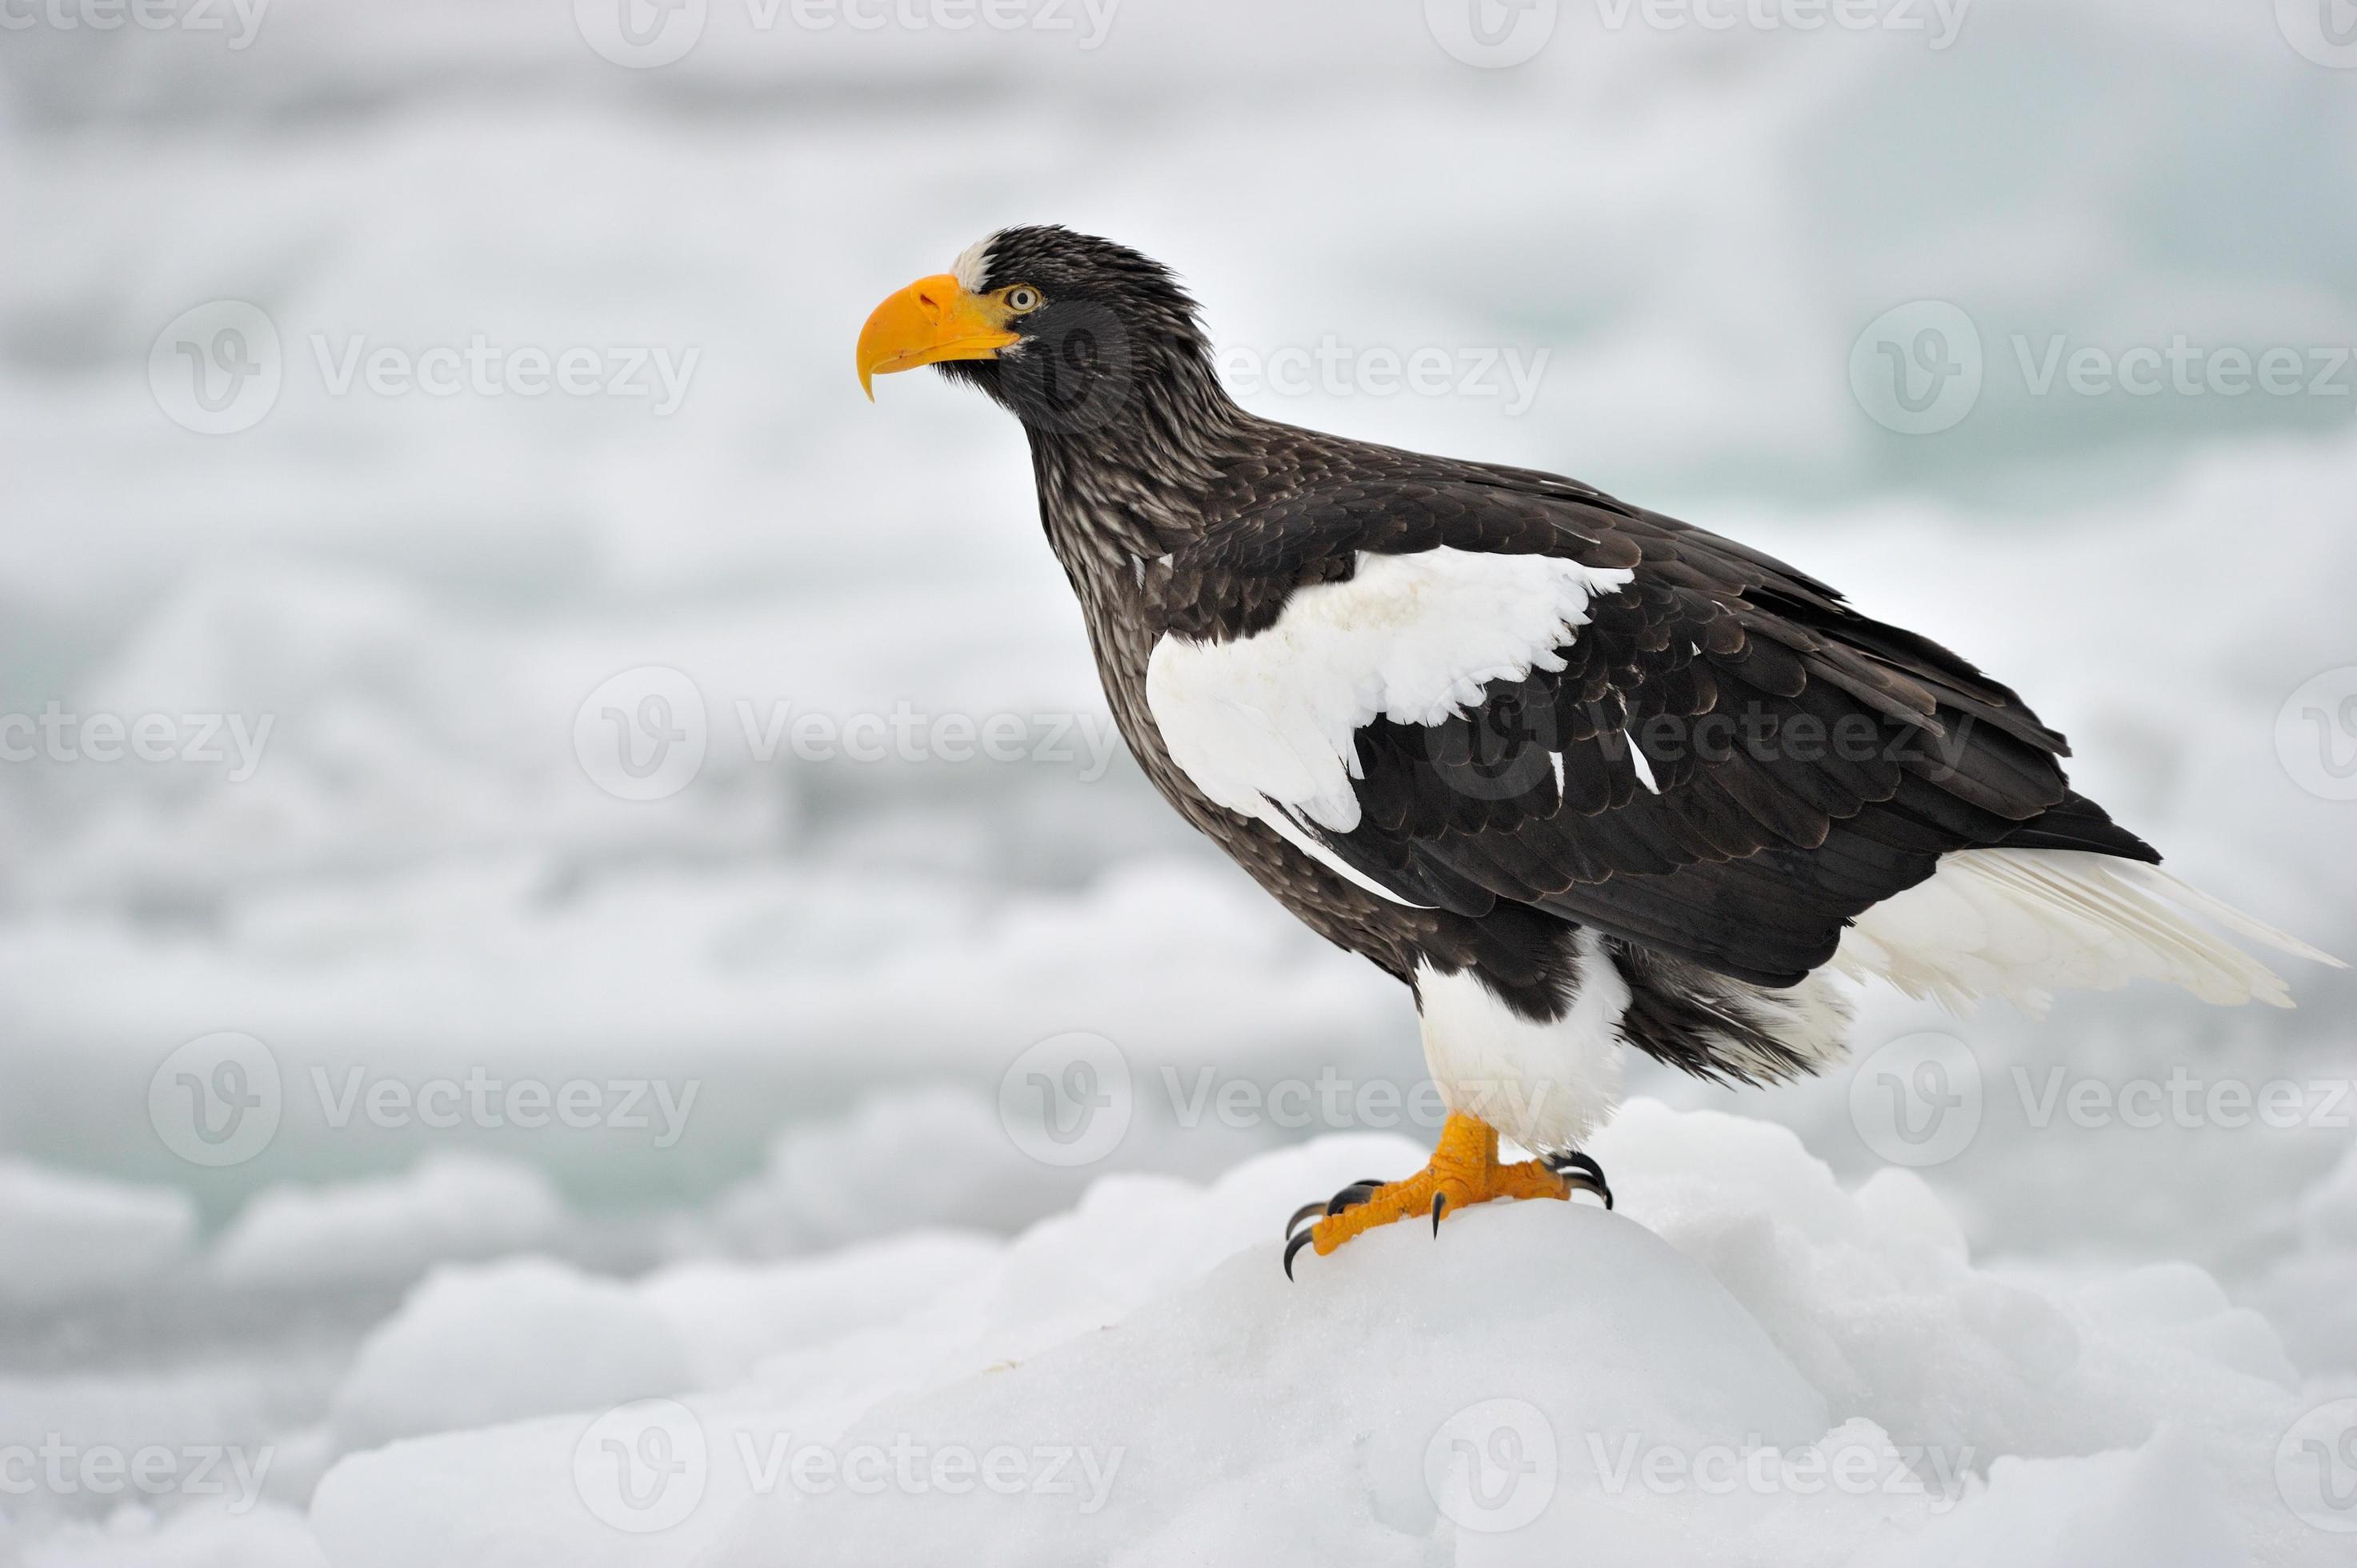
[1203, 1423]
[734, 1316]
[1745, 1363]
[448, 1207]
[2312, 1293]
[476, 1346]
[270, 1536]
[65, 1236]
[473, 1347]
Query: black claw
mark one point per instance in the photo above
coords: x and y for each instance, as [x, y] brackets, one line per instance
[1574, 1159]
[1581, 1183]
[1350, 1196]
[1293, 1247]
[1439, 1202]
[1582, 1171]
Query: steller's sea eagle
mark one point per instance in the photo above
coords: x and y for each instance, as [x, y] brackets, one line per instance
[1580, 775]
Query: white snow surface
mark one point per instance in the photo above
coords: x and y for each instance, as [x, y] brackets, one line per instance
[1740, 1301]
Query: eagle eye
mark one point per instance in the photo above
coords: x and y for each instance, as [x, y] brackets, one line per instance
[1023, 299]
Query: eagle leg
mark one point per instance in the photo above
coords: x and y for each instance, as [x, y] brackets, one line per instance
[1463, 1171]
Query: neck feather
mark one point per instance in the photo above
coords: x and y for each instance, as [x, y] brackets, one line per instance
[1131, 487]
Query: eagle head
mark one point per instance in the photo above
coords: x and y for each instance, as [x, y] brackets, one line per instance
[1073, 333]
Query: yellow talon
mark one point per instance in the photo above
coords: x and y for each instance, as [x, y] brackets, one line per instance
[1463, 1171]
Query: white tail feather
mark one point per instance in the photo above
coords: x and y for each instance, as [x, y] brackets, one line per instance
[2021, 923]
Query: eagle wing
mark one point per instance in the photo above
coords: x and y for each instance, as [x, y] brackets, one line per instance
[1463, 686]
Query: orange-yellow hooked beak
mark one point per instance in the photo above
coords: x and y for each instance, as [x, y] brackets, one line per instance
[930, 321]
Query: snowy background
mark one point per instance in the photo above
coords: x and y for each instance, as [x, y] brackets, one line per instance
[391, 1105]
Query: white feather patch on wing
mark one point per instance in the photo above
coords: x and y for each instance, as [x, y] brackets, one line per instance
[2023, 923]
[1274, 718]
